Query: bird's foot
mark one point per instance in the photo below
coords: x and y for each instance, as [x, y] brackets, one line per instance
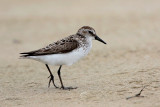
[68, 88]
[52, 79]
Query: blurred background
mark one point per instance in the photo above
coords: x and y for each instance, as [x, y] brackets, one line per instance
[129, 61]
[126, 23]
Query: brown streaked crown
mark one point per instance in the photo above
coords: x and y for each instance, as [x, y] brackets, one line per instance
[86, 30]
[87, 27]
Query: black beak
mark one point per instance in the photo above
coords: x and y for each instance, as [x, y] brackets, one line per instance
[99, 39]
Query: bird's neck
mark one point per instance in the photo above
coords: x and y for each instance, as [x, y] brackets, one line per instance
[85, 40]
[88, 42]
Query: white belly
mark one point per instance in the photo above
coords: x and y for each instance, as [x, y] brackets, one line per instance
[63, 59]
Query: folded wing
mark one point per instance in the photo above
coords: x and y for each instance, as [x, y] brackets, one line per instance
[59, 47]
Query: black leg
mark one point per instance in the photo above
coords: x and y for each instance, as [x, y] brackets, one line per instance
[62, 86]
[51, 77]
[59, 75]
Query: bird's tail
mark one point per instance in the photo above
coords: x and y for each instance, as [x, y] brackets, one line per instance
[24, 55]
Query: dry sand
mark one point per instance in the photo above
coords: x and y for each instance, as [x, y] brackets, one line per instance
[108, 75]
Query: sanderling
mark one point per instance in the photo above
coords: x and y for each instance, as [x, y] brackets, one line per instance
[65, 51]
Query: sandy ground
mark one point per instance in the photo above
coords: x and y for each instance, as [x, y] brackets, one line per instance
[106, 77]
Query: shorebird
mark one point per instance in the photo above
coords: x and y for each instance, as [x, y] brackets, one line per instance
[65, 52]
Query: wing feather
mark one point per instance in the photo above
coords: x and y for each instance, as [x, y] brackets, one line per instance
[63, 46]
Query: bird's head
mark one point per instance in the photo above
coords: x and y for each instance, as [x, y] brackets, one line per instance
[89, 32]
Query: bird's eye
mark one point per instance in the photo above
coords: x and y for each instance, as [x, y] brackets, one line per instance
[90, 32]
